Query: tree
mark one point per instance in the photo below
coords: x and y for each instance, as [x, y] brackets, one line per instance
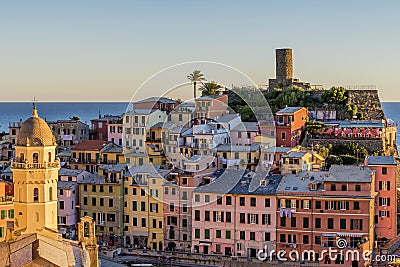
[75, 118]
[209, 88]
[335, 95]
[195, 77]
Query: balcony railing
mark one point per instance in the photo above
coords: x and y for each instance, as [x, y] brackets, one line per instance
[47, 165]
[6, 200]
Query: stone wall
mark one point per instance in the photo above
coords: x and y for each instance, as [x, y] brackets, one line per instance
[368, 103]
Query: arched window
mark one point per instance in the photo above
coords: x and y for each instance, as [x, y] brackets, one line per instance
[49, 160]
[36, 217]
[36, 195]
[51, 193]
[86, 229]
[20, 194]
[35, 158]
[22, 157]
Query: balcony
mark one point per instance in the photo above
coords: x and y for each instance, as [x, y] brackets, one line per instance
[7, 200]
[18, 165]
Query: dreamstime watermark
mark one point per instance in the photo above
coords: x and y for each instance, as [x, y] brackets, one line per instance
[331, 254]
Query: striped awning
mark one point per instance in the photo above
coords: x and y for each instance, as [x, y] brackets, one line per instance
[350, 234]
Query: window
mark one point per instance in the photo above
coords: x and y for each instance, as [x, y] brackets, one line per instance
[110, 189]
[218, 216]
[330, 223]
[228, 234]
[331, 205]
[84, 200]
[317, 240]
[111, 203]
[184, 223]
[306, 204]
[305, 239]
[333, 187]
[143, 222]
[267, 236]
[85, 187]
[266, 219]
[253, 202]
[207, 233]
[293, 222]
[317, 204]
[242, 235]
[267, 202]
[101, 188]
[317, 222]
[242, 218]
[358, 187]
[219, 200]
[383, 201]
[228, 215]
[343, 205]
[35, 195]
[134, 206]
[218, 233]
[283, 136]
[197, 198]
[293, 204]
[344, 187]
[305, 222]
[384, 170]
[384, 213]
[61, 205]
[94, 201]
[384, 185]
[228, 200]
[197, 233]
[283, 221]
[197, 215]
[143, 206]
[356, 224]
[242, 201]
[356, 205]
[252, 236]
[342, 224]
[35, 158]
[93, 188]
[282, 238]
[207, 198]
[207, 215]
[184, 195]
[171, 206]
[134, 192]
[184, 180]
[253, 218]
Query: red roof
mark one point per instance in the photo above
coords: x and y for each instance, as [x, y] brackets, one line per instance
[89, 145]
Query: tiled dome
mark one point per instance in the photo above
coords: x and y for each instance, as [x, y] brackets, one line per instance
[35, 132]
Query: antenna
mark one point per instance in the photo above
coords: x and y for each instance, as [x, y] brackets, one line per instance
[34, 103]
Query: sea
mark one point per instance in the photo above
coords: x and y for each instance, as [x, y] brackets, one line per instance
[53, 111]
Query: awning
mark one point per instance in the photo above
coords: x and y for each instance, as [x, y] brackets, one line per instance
[205, 244]
[350, 234]
[329, 234]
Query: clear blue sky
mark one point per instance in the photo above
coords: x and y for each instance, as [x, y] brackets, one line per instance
[103, 50]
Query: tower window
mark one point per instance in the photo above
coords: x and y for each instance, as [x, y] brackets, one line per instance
[35, 158]
[22, 157]
[36, 195]
[51, 193]
[49, 159]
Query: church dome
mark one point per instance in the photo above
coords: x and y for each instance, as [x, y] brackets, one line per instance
[35, 132]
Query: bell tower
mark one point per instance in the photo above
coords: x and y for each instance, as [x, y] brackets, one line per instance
[35, 175]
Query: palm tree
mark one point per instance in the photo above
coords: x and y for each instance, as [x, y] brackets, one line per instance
[209, 88]
[195, 77]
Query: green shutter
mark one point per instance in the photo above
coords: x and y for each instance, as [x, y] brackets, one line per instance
[3, 214]
[2, 231]
[12, 214]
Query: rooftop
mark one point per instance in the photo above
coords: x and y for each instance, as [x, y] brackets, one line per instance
[208, 97]
[292, 183]
[224, 183]
[89, 145]
[277, 149]
[247, 126]
[339, 173]
[381, 160]
[113, 168]
[230, 148]
[289, 110]
[153, 171]
[157, 99]
[140, 112]
[69, 172]
[66, 185]
[294, 154]
[227, 118]
[111, 148]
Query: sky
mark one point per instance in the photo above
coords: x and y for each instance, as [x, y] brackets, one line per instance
[101, 50]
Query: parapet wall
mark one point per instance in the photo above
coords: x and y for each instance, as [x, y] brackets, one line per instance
[370, 145]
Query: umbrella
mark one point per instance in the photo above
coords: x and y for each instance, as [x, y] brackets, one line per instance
[329, 131]
[365, 131]
[356, 131]
[338, 131]
[374, 132]
[347, 131]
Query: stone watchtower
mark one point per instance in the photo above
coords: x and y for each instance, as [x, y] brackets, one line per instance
[87, 238]
[284, 64]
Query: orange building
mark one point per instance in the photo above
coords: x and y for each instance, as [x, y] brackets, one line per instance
[290, 125]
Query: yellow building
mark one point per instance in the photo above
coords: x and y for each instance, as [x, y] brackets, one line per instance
[35, 175]
[238, 157]
[143, 207]
[101, 197]
[154, 145]
[297, 161]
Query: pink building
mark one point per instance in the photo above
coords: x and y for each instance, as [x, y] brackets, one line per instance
[244, 133]
[385, 168]
[211, 106]
[114, 134]
[316, 209]
[68, 200]
[235, 214]
[153, 103]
